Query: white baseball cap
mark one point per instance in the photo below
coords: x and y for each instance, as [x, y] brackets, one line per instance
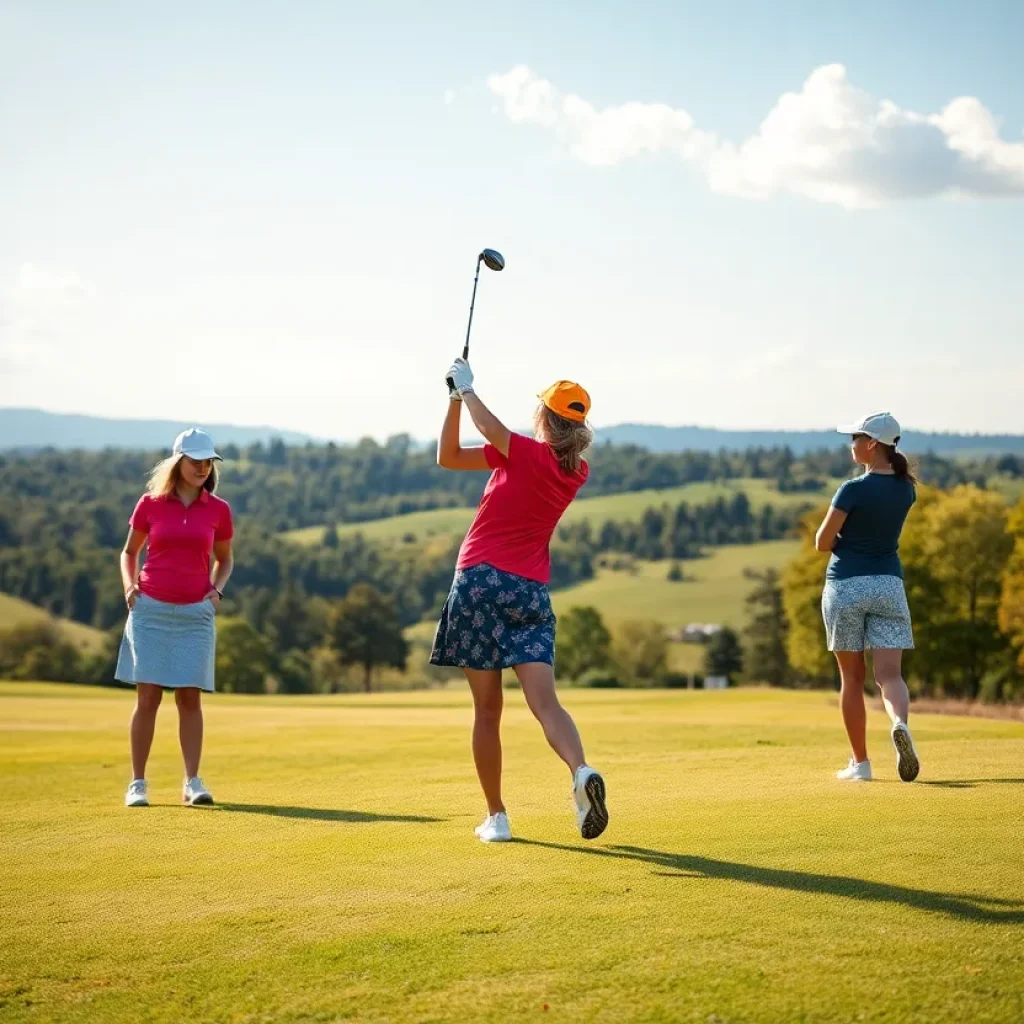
[196, 444]
[882, 426]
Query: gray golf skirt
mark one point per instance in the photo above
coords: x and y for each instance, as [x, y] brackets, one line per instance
[867, 611]
[169, 645]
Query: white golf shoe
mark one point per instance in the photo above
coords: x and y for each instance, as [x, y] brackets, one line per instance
[195, 793]
[136, 795]
[589, 794]
[907, 763]
[494, 829]
[855, 771]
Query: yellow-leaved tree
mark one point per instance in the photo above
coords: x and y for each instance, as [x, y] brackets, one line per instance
[802, 582]
[1011, 604]
[955, 552]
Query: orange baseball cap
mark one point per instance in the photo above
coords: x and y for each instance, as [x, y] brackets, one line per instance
[567, 399]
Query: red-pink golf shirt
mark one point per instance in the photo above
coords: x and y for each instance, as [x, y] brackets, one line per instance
[520, 508]
[180, 539]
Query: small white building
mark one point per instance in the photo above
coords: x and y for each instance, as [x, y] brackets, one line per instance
[697, 632]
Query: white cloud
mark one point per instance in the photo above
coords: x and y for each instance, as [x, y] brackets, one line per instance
[44, 317]
[769, 360]
[830, 141]
[449, 97]
[34, 283]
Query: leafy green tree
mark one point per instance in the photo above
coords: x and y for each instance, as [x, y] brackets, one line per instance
[640, 650]
[244, 658]
[724, 655]
[365, 631]
[584, 642]
[294, 673]
[767, 630]
[294, 620]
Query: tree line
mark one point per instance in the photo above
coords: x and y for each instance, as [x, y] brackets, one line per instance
[281, 487]
[63, 516]
[685, 529]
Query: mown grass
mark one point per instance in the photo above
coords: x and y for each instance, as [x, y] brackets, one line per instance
[621, 507]
[15, 612]
[338, 878]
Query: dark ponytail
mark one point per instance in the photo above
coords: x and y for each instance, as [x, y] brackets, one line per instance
[900, 464]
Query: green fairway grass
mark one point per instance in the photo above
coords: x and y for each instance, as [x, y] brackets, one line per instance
[15, 612]
[338, 878]
[622, 507]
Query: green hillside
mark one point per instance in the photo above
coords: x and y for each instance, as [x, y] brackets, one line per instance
[15, 612]
[713, 590]
[628, 506]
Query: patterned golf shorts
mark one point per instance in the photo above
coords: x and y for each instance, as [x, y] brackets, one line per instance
[493, 619]
[867, 611]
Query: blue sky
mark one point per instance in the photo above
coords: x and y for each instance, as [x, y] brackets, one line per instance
[270, 212]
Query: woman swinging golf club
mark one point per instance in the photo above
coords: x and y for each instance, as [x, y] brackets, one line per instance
[170, 635]
[498, 613]
[864, 603]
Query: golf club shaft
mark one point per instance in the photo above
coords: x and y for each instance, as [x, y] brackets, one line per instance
[469, 326]
[472, 303]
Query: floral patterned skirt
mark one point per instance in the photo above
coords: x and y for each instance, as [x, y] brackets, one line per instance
[493, 619]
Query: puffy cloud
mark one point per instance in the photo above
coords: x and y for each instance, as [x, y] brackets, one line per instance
[599, 137]
[830, 141]
[44, 315]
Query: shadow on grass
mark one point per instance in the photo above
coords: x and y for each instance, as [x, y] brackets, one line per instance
[982, 909]
[322, 814]
[968, 783]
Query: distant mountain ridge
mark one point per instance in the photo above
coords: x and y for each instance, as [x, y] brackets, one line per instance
[35, 428]
[673, 439]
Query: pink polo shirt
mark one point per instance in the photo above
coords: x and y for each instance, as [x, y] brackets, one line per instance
[521, 505]
[180, 539]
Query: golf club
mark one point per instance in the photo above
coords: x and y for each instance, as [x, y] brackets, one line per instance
[493, 261]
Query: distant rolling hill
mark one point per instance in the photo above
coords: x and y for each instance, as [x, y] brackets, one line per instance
[34, 428]
[15, 612]
[659, 438]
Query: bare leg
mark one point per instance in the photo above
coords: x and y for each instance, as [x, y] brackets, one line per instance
[190, 728]
[888, 666]
[538, 682]
[855, 718]
[147, 703]
[488, 701]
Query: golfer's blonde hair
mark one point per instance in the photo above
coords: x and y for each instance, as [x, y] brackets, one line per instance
[165, 475]
[568, 439]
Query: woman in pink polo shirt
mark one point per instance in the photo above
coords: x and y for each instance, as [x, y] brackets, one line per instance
[170, 635]
[498, 613]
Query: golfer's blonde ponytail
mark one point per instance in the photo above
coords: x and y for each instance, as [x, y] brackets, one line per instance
[568, 439]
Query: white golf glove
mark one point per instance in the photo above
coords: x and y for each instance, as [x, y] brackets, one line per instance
[461, 376]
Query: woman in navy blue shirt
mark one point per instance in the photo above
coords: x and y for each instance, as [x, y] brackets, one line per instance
[864, 603]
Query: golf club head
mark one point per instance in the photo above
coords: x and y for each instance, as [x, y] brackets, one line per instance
[493, 259]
